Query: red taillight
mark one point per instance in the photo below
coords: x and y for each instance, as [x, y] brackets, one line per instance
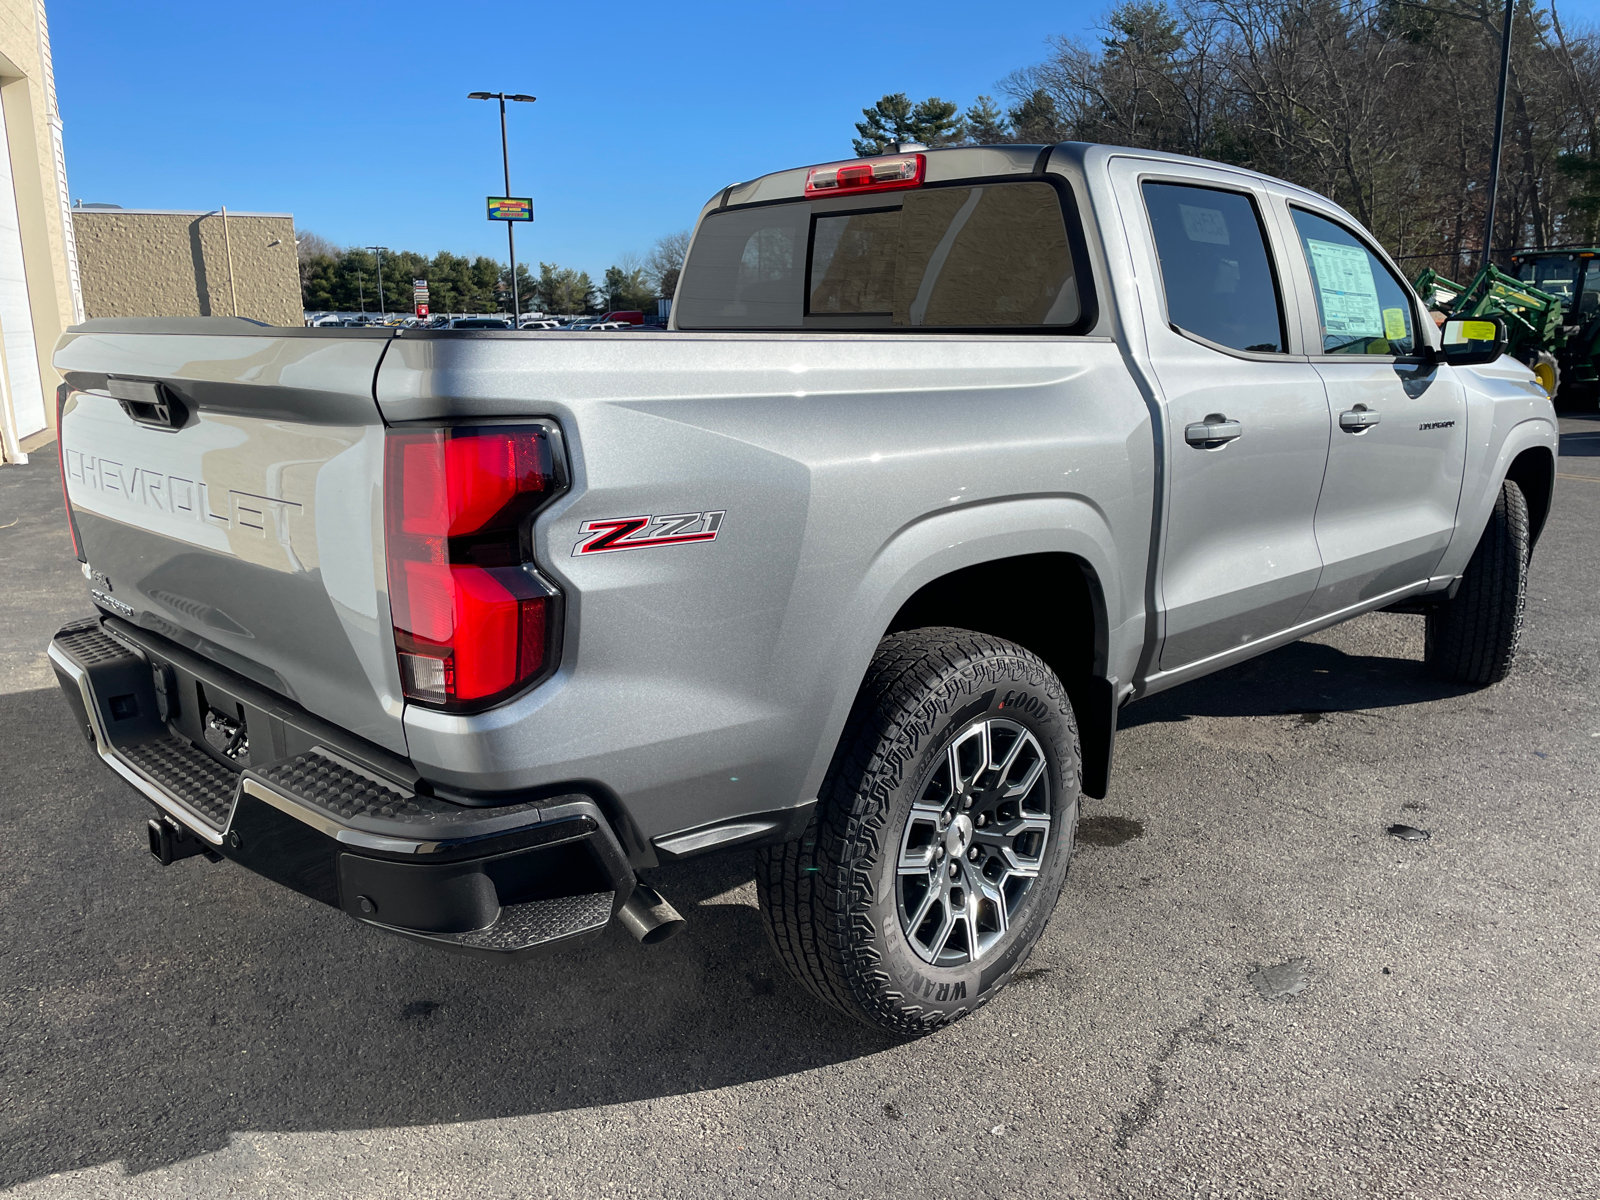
[866, 175]
[472, 621]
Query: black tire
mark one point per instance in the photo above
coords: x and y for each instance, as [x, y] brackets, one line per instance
[1472, 639]
[835, 902]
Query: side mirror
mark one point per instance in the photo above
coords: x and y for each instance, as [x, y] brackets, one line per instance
[1472, 341]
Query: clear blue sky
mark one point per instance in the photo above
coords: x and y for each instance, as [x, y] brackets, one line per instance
[354, 116]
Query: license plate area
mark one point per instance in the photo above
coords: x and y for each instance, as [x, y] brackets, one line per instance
[207, 714]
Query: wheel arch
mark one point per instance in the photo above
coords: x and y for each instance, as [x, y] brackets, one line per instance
[1071, 634]
[941, 546]
[1528, 448]
[967, 599]
[1534, 471]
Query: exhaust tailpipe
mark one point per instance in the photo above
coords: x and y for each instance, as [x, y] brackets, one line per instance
[649, 917]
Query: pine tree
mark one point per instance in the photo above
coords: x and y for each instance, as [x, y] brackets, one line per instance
[986, 124]
[933, 122]
[1037, 119]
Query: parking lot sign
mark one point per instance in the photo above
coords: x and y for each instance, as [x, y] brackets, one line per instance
[510, 208]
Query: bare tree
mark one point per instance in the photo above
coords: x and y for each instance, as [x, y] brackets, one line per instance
[314, 245]
[665, 261]
[1384, 105]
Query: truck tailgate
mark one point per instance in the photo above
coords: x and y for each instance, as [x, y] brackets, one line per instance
[226, 483]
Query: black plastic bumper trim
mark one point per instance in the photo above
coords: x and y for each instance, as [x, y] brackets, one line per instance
[752, 829]
[522, 930]
[326, 826]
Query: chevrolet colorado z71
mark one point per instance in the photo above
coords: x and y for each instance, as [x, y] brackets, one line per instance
[946, 456]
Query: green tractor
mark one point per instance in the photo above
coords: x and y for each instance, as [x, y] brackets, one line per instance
[1570, 275]
[1534, 319]
[1550, 308]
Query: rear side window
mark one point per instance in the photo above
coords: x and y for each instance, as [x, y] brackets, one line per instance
[988, 256]
[1364, 309]
[1214, 266]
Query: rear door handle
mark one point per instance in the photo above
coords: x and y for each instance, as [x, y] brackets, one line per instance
[1358, 419]
[1216, 430]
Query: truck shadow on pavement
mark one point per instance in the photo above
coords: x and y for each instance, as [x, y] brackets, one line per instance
[154, 1013]
[1303, 678]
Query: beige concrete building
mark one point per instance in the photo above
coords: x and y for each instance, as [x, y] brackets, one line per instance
[39, 295]
[165, 263]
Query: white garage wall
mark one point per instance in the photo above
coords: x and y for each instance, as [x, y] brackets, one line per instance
[16, 319]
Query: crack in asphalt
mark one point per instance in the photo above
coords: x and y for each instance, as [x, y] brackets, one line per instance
[1137, 1118]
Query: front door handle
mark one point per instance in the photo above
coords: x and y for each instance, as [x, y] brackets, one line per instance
[1216, 430]
[1358, 419]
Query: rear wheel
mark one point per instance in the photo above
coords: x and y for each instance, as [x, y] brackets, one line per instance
[1472, 639]
[941, 838]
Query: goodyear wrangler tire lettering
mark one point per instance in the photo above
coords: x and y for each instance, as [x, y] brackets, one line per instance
[1025, 702]
[953, 792]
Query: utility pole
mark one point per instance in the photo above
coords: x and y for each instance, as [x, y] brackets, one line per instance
[505, 158]
[378, 250]
[1499, 133]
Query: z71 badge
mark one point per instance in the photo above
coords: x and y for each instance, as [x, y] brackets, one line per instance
[637, 533]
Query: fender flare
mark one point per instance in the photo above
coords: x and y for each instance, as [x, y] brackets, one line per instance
[1472, 514]
[935, 546]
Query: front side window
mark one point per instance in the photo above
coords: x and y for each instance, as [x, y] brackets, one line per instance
[1364, 309]
[986, 256]
[1214, 266]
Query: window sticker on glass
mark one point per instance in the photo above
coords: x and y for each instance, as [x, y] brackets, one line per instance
[1394, 324]
[1349, 293]
[1204, 224]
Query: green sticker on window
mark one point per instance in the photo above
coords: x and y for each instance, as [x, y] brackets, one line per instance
[1394, 324]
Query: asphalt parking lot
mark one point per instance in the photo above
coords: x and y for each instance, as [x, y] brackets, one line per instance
[1248, 989]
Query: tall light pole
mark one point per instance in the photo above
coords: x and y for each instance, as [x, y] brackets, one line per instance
[505, 157]
[378, 250]
[1499, 132]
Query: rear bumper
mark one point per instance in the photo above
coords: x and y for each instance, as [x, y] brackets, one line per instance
[335, 819]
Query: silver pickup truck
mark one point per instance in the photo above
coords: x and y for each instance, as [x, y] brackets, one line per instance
[947, 456]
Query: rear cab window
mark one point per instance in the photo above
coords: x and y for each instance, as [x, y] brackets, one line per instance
[1362, 306]
[992, 257]
[1215, 270]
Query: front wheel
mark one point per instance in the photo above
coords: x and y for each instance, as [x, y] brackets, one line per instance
[941, 838]
[1472, 638]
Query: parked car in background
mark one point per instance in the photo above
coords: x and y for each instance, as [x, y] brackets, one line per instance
[625, 317]
[480, 323]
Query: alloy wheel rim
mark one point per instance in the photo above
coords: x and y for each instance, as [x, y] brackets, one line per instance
[974, 842]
